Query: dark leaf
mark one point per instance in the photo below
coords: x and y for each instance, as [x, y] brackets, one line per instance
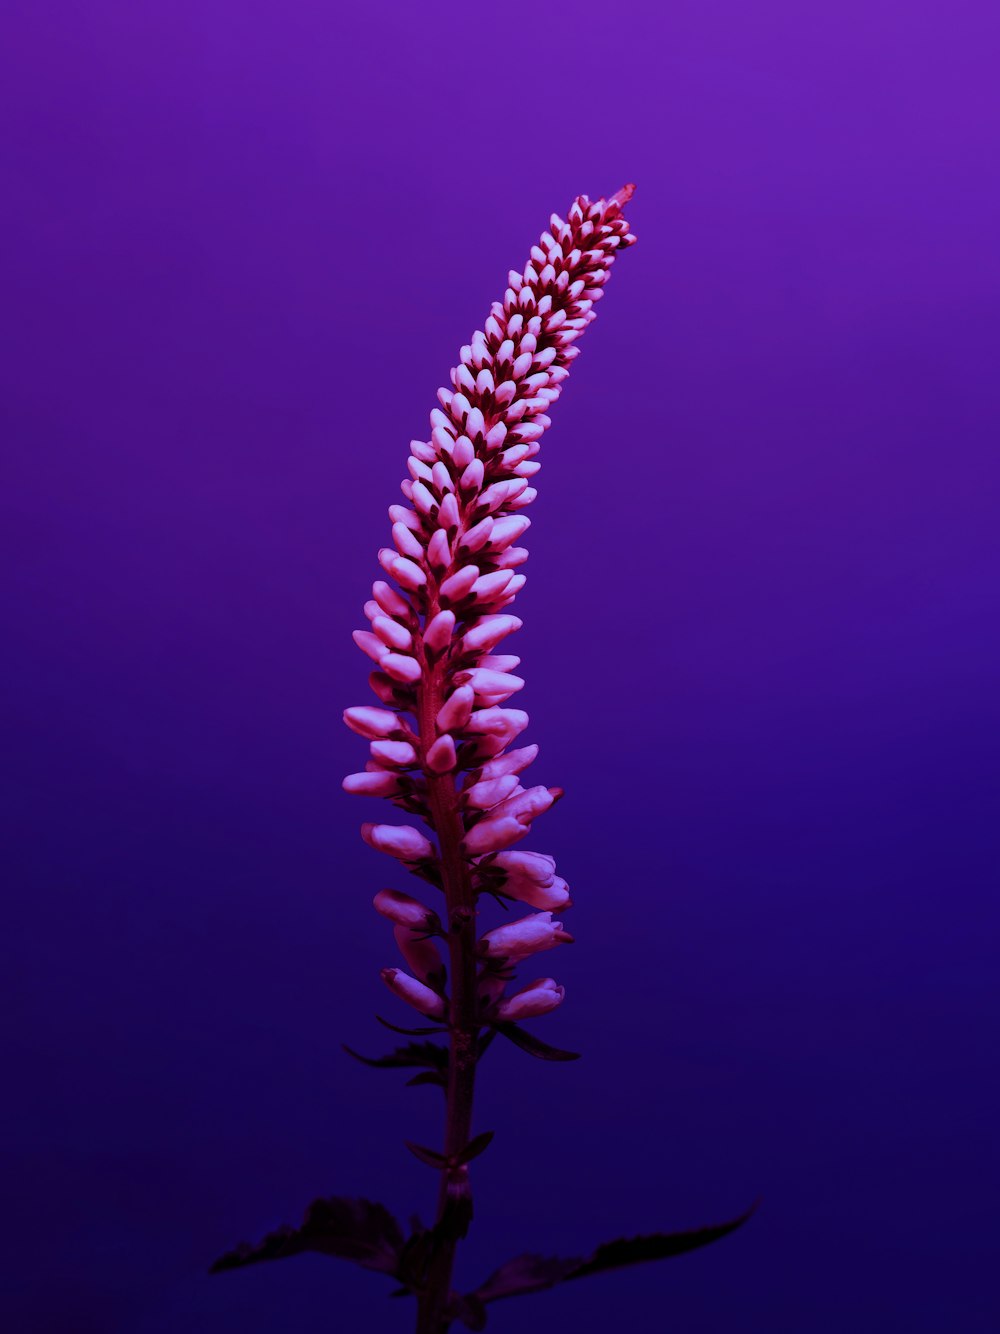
[474, 1147]
[411, 1032]
[469, 1310]
[534, 1046]
[429, 1077]
[526, 1273]
[416, 1256]
[355, 1230]
[532, 1273]
[484, 1042]
[413, 1054]
[429, 1156]
[658, 1246]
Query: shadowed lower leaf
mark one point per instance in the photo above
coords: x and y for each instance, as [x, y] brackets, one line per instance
[469, 1310]
[532, 1273]
[534, 1046]
[414, 1054]
[350, 1229]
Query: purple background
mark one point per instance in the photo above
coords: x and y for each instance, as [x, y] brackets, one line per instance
[241, 246]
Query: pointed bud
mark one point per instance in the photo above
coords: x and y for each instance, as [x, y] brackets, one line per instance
[554, 897]
[401, 667]
[538, 867]
[370, 644]
[507, 530]
[371, 722]
[489, 791]
[390, 601]
[398, 840]
[498, 722]
[455, 712]
[395, 753]
[421, 955]
[405, 911]
[391, 633]
[491, 835]
[488, 631]
[514, 762]
[537, 998]
[414, 993]
[372, 783]
[439, 550]
[437, 635]
[529, 935]
[457, 585]
[441, 757]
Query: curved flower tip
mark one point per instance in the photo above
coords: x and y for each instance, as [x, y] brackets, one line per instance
[623, 195]
[537, 998]
[407, 988]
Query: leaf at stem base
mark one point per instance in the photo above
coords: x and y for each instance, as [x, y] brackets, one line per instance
[350, 1229]
[533, 1273]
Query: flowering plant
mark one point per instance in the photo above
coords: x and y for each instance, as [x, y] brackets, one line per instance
[440, 743]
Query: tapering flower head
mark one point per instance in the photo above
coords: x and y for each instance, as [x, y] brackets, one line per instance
[440, 737]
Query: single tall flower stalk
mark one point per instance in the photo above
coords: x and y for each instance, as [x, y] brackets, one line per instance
[440, 749]
[440, 742]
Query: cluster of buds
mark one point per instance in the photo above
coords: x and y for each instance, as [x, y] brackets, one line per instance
[441, 737]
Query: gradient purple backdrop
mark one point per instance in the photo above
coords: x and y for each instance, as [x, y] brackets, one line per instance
[242, 244]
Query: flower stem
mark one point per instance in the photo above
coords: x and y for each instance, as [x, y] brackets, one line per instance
[455, 1196]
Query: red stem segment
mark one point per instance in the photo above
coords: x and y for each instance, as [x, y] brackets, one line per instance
[455, 1195]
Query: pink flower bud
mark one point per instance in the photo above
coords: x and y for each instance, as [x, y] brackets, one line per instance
[538, 867]
[488, 631]
[400, 513]
[390, 601]
[393, 752]
[398, 840]
[415, 993]
[406, 542]
[487, 682]
[497, 722]
[391, 633]
[457, 585]
[371, 722]
[537, 998]
[490, 791]
[529, 935]
[499, 662]
[554, 897]
[454, 713]
[437, 635]
[421, 955]
[439, 550]
[491, 585]
[372, 783]
[508, 529]
[472, 477]
[478, 535]
[405, 911]
[448, 514]
[514, 762]
[525, 805]
[490, 835]
[370, 644]
[401, 667]
[405, 572]
[441, 756]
